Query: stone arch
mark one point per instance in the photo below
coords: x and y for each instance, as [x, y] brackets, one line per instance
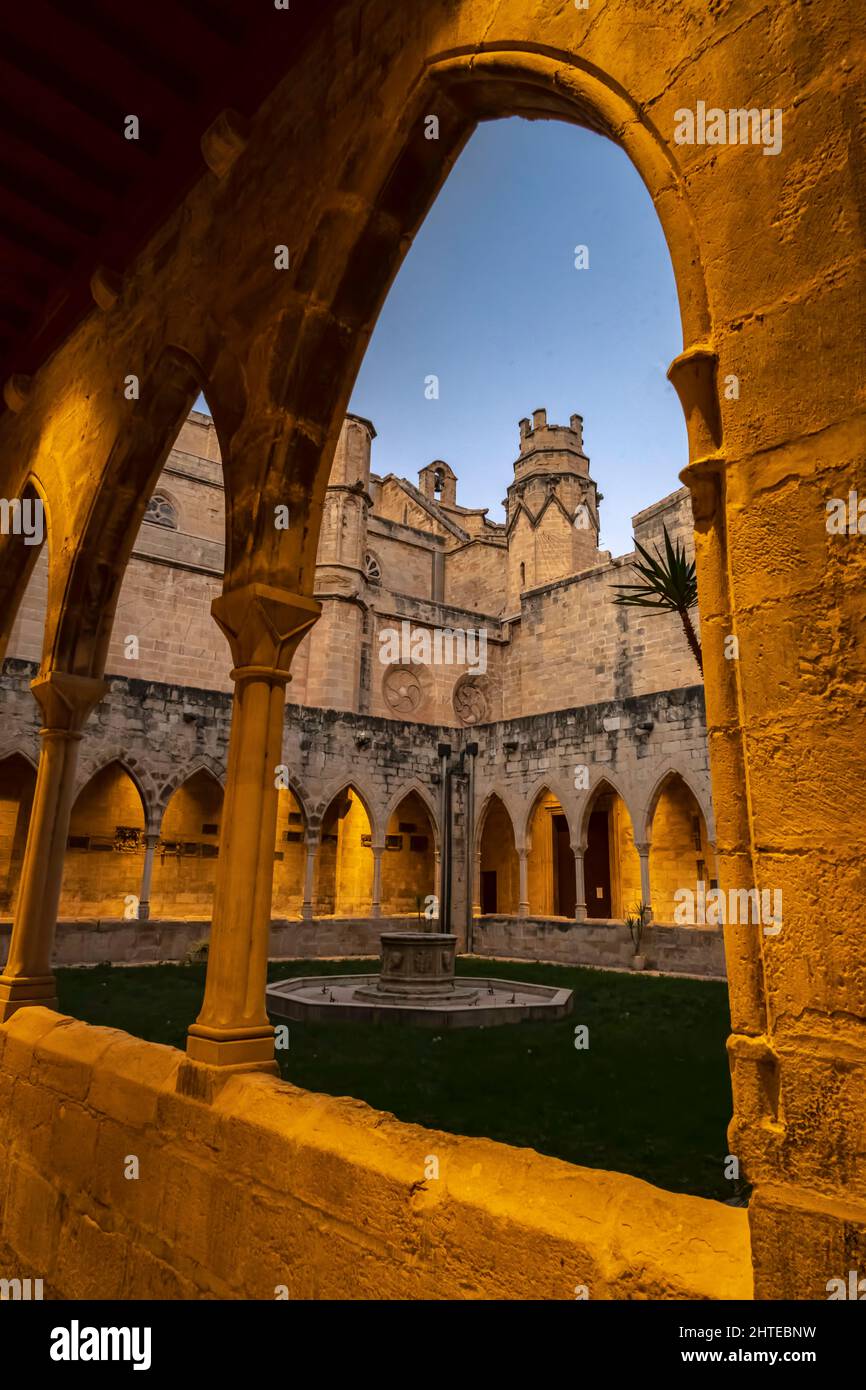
[345, 883]
[183, 774]
[17, 786]
[140, 777]
[405, 789]
[408, 875]
[184, 871]
[496, 887]
[611, 864]
[699, 789]
[555, 786]
[18, 560]
[102, 866]
[80, 617]
[551, 887]
[608, 782]
[303, 798]
[681, 849]
[83, 600]
[397, 183]
[498, 793]
[13, 750]
[291, 844]
[360, 789]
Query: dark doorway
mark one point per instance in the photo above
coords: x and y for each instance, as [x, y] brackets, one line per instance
[596, 866]
[564, 882]
[488, 891]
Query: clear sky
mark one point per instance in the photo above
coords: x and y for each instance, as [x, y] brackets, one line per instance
[489, 300]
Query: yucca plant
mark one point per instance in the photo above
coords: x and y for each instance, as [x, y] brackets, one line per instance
[669, 583]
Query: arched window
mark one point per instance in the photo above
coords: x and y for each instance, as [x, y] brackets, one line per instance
[372, 569]
[161, 511]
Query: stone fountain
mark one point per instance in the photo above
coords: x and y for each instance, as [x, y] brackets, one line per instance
[417, 984]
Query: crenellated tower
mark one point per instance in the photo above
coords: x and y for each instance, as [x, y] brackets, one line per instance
[551, 507]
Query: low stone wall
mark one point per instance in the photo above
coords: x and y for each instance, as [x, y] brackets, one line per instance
[111, 939]
[678, 950]
[271, 1191]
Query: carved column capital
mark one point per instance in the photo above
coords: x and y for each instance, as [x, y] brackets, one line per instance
[264, 627]
[66, 701]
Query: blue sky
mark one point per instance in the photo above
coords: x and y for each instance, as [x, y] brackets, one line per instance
[489, 300]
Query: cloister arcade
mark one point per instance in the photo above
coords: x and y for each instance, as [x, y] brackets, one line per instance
[277, 344]
[129, 856]
[534, 865]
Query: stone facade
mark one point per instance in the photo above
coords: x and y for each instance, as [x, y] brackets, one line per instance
[767, 254]
[153, 759]
[536, 585]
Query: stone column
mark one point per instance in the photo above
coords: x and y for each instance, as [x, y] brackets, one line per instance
[151, 840]
[376, 904]
[307, 906]
[476, 883]
[643, 855]
[264, 626]
[523, 904]
[579, 886]
[66, 702]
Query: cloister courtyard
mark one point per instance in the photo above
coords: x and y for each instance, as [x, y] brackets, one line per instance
[648, 1094]
[325, 641]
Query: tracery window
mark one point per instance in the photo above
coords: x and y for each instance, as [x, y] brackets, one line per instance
[161, 511]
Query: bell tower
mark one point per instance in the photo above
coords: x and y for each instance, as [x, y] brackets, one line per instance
[551, 508]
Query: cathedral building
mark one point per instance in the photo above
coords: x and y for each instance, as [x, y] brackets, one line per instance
[464, 671]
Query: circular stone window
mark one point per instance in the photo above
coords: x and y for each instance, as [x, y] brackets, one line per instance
[402, 690]
[470, 701]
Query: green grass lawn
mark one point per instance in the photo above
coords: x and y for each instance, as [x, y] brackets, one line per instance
[651, 1096]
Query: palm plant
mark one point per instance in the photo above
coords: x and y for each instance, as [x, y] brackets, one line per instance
[669, 583]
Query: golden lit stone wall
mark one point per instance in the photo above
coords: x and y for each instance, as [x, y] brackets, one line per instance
[625, 881]
[97, 881]
[344, 873]
[288, 893]
[184, 871]
[539, 858]
[271, 1186]
[408, 874]
[17, 784]
[677, 848]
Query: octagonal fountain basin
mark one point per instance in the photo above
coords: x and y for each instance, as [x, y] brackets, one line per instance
[417, 985]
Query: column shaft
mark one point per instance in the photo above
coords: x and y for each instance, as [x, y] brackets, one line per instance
[376, 904]
[66, 701]
[233, 1024]
[523, 904]
[579, 887]
[150, 843]
[307, 907]
[264, 626]
[643, 855]
[476, 883]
